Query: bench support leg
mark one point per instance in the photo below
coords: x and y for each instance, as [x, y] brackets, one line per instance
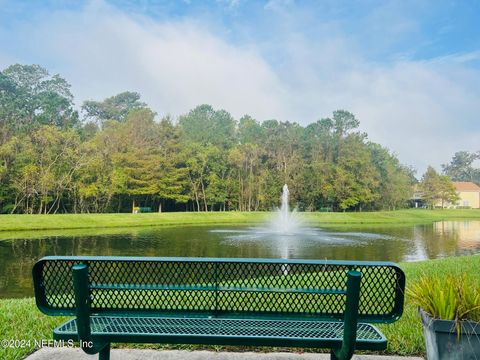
[104, 354]
[333, 356]
[350, 321]
[82, 300]
[82, 305]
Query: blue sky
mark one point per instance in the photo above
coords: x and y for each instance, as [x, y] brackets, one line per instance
[409, 70]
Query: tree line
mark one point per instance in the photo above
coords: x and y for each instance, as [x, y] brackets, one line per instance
[117, 153]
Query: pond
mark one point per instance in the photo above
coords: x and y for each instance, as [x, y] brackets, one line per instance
[394, 243]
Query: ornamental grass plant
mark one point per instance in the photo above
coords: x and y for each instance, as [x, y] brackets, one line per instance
[447, 298]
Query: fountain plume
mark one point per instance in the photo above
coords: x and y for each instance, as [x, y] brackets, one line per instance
[285, 222]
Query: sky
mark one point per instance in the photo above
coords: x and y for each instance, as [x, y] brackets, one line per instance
[408, 70]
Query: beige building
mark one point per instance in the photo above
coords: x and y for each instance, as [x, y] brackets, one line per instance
[469, 193]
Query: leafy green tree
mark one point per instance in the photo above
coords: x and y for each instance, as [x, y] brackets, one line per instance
[245, 160]
[204, 125]
[318, 141]
[318, 186]
[250, 131]
[44, 169]
[344, 122]
[335, 149]
[437, 190]
[30, 97]
[429, 186]
[101, 179]
[355, 177]
[200, 161]
[138, 156]
[114, 107]
[147, 160]
[170, 171]
[395, 180]
[317, 149]
[461, 167]
[8, 154]
[447, 192]
[284, 160]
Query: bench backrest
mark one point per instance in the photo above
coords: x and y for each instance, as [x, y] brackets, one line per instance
[294, 289]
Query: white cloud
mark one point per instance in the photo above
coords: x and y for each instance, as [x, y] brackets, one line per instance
[174, 65]
[422, 110]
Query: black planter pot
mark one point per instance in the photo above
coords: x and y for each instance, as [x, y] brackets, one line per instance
[443, 342]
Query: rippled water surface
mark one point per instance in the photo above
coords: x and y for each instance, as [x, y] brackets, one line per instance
[396, 243]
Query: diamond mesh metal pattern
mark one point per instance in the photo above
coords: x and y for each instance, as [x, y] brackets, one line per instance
[220, 327]
[246, 287]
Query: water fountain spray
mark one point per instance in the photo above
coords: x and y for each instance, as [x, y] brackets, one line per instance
[285, 222]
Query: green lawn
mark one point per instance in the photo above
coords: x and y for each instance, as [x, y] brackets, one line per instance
[89, 221]
[20, 319]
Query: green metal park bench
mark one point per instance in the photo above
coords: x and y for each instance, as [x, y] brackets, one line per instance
[256, 302]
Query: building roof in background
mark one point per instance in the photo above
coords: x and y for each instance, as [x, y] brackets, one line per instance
[466, 186]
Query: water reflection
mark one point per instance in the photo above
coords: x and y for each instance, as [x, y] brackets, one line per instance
[406, 243]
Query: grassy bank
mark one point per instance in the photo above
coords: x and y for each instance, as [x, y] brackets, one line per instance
[20, 319]
[91, 221]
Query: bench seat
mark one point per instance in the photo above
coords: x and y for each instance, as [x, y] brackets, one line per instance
[223, 331]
